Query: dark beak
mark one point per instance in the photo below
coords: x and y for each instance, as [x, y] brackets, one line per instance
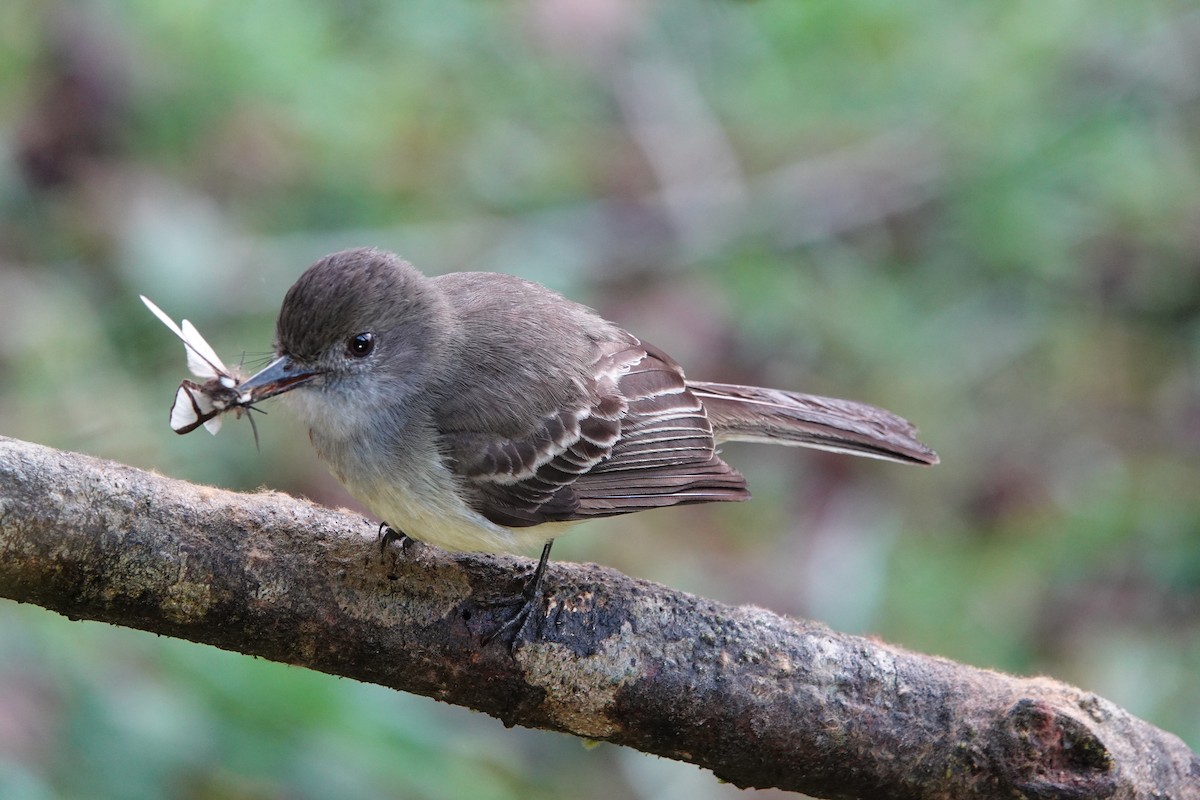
[275, 378]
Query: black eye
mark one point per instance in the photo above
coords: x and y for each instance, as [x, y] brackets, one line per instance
[360, 345]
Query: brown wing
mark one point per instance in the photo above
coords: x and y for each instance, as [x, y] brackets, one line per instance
[641, 440]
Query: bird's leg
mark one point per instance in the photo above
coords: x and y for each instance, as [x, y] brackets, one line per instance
[529, 599]
[387, 534]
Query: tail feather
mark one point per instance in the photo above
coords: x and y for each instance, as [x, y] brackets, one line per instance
[755, 414]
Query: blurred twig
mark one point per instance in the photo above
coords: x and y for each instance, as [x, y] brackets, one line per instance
[811, 200]
[702, 186]
[759, 699]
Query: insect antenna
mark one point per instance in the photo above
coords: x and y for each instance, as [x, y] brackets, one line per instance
[254, 428]
[256, 359]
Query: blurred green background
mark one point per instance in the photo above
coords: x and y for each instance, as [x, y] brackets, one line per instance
[985, 217]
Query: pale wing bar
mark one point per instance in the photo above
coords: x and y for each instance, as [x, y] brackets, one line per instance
[644, 442]
[666, 454]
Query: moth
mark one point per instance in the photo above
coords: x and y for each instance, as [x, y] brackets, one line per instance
[199, 404]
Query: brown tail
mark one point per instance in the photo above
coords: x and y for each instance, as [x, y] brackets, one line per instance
[754, 414]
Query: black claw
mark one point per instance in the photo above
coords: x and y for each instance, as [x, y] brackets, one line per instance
[528, 604]
[387, 534]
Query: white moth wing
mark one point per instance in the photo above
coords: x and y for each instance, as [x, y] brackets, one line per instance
[182, 413]
[203, 361]
[188, 407]
[191, 402]
[163, 318]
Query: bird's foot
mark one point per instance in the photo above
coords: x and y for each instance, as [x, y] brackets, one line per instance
[525, 621]
[387, 534]
[527, 609]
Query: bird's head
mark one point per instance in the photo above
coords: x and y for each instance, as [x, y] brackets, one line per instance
[354, 334]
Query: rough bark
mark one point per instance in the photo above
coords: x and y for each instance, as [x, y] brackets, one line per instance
[759, 699]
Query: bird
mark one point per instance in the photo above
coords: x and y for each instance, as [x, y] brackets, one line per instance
[480, 411]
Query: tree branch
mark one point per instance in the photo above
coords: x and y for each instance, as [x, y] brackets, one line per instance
[760, 700]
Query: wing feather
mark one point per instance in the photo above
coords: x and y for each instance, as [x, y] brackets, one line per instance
[640, 439]
[753, 413]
